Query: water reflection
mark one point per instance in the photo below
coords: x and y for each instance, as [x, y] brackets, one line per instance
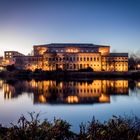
[54, 92]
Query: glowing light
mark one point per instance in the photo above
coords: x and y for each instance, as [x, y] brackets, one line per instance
[104, 98]
[73, 50]
[72, 99]
[42, 99]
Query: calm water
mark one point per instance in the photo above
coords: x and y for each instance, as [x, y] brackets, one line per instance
[73, 101]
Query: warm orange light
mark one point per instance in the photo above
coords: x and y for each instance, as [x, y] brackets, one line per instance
[73, 50]
[138, 84]
[41, 50]
[138, 65]
[72, 99]
[104, 98]
[42, 99]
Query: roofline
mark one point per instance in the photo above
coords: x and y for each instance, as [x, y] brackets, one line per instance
[86, 44]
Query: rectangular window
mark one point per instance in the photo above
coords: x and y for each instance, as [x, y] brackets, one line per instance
[80, 66]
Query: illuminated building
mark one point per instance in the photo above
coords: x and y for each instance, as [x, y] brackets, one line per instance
[9, 57]
[69, 57]
[28, 62]
[80, 56]
[1, 63]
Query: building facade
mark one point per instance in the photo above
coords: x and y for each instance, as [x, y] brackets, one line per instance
[28, 62]
[9, 57]
[80, 56]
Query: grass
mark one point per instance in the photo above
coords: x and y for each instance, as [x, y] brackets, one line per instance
[116, 128]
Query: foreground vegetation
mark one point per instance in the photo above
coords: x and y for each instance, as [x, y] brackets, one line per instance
[66, 75]
[116, 128]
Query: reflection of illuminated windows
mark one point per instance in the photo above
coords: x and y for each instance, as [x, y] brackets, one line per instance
[72, 99]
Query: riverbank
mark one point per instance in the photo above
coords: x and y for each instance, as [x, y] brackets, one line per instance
[115, 128]
[68, 75]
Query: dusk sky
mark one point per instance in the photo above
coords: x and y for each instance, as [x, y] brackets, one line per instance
[24, 23]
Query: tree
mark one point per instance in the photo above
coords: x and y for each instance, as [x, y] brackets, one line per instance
[11, 67]
[134, 60]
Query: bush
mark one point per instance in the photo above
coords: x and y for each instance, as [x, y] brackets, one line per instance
[89, 69]
[38, 71]
[116, 128]
[11, 68]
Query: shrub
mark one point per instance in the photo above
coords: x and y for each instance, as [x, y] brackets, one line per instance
[122, 128]
[11, 68]
[88, 69]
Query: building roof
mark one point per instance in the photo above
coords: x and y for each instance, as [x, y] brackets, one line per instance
[118, 54]
[71, 45]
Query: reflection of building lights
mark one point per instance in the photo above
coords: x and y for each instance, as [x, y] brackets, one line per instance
[138, 84]
[42, 99]
[98, 89]
[138, 66]
[104, 98]
[33, 83]
[61, 66]
[72, 99]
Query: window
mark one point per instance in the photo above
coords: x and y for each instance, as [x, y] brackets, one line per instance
[84, 59]
[73, 58]
[80, 58]
[77, 58]
[80, 66]
[90, 58]
[94, 58]
[97, 58]
[87, 58]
